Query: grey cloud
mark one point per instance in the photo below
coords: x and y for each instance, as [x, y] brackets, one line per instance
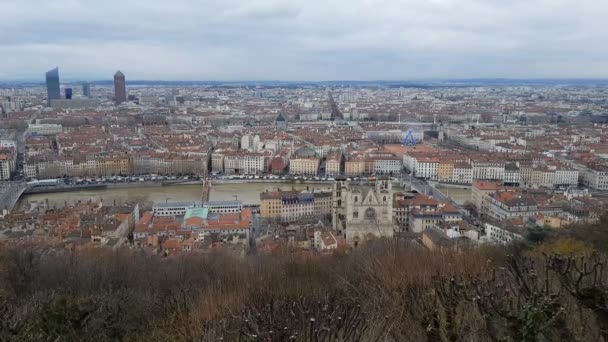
[304, 39]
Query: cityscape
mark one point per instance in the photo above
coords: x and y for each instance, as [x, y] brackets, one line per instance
[260, 167]
[304, 171]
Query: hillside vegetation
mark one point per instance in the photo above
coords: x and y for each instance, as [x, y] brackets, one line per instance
[383, 291]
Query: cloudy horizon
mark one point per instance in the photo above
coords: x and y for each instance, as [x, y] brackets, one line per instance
[304, 40]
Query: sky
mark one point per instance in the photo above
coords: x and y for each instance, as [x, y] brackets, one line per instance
[308, 40]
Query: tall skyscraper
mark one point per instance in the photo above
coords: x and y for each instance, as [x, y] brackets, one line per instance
[52, 86]
[68, 93]
[120, 88]
[86, 89]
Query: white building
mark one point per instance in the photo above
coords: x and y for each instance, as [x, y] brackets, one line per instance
[512, 174]
[387, 165]
[462, 173]
[502, 236]
[566, 177]
[5, 168]
[426, 168]
[596, 178]
[488, 170]
[244, 163]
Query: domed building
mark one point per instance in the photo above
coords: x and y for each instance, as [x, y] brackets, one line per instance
[305, 152]
[304, 162]
[280, 122]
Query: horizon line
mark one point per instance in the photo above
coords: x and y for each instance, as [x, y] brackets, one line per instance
[463, 79]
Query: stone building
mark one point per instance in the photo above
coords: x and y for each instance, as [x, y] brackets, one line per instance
[363, 209]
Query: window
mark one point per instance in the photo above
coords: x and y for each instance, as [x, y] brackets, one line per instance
[370, 214]
[355, 214]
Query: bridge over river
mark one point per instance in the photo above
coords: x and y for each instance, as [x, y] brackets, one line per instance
[10, 192]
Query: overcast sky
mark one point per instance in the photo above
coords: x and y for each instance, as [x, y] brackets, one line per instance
[304, 39]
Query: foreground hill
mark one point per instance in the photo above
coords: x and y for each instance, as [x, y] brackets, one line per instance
[383, 291]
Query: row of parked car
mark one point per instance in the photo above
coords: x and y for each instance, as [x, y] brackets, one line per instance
[271, 177]
[116, 179]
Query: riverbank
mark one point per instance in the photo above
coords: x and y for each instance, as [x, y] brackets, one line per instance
[452, 185]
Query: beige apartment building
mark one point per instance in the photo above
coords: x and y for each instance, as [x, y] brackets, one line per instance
[304, 166]
[333, 164]
[354, 168]
[445, 171]
[291, 206]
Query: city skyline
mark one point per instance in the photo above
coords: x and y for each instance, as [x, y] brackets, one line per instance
[109, 80]
[308, 41]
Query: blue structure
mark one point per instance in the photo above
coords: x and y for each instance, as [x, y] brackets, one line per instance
[409, 139]
[68, 93]
[52, 86]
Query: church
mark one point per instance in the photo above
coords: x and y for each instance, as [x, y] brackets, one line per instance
[363, 209]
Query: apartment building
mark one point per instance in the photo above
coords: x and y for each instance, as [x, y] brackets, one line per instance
[596, 177]
[503, 235]
[333, 164]
[5, 167]
[417, 212]
[488, 170]
[304, 162]
[426, 167]
[512, 175]
[217, 161]
[244, 163]
[291, 206]
[304, 166]
[506, 205]
[354, 168]
[462, 173]
[549, 176]
[479, 192]
[445, 171]
[384, 164]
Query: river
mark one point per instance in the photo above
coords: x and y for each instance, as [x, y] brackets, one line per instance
[460, 195]
[248, 193]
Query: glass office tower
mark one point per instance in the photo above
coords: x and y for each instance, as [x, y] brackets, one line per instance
[52, 85]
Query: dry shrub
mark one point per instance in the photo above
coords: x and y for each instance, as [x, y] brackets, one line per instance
[382, 291]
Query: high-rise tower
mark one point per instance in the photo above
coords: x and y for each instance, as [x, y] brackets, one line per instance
[86, 89]
[52, 86]
[120, 88]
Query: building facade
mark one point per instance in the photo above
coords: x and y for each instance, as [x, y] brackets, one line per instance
[304, 166]
[291, 206]
[363, 209]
